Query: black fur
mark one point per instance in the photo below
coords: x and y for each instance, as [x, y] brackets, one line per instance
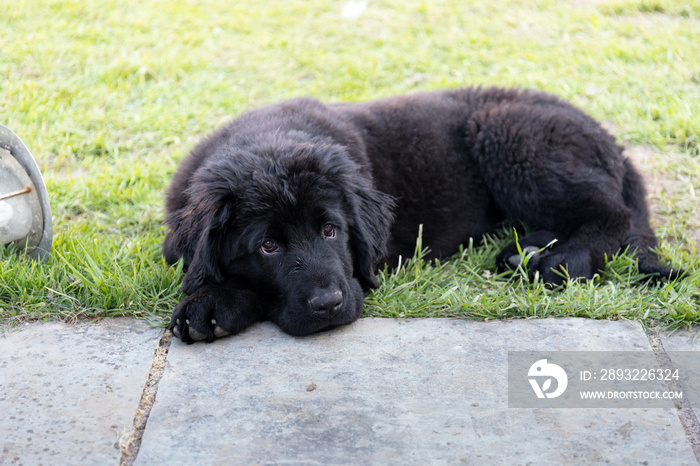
[458, 162]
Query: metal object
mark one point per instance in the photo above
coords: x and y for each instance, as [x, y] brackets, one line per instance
[25, 211]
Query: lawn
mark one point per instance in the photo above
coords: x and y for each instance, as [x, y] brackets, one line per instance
[110, 95]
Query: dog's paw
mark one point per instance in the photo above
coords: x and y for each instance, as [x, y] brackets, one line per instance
[194, 320]
[213, 312]
[557, 267]
[508, 259]
[546, 260]
[534, 245]
[540, 265]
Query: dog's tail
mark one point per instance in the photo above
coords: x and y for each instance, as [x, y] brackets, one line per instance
[641, 240]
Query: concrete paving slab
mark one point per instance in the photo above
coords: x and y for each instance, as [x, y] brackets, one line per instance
[428, 391]
[682, 340]
[68, 393]
[683, 351]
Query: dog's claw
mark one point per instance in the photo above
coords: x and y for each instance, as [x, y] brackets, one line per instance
[515, 260]
[219, 332]
[197, 336]
[176, 331]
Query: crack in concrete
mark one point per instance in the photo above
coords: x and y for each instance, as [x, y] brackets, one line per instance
[686, 414]
[130, 443]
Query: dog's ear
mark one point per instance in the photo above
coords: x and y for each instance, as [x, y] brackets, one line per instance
[182, 225]
[171, 251]
[197, 235]
[205, 265]
[373, 217]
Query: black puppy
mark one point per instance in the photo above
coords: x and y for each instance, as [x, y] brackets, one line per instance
[286, 213]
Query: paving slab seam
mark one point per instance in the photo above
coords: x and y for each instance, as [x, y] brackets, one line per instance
[686, 414]
[130, 443]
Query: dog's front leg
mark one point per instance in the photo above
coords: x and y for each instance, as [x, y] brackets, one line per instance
[215, 311]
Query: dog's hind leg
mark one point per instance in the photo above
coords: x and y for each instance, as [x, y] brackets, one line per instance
[555, 169]
[583, 253]
[597, 233]
[641, 239]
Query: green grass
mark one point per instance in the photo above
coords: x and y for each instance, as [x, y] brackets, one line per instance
[110, 95]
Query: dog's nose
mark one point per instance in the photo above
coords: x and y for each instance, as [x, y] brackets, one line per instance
[326, 303]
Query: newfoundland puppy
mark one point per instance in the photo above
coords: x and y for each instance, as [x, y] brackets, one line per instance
[286, 213]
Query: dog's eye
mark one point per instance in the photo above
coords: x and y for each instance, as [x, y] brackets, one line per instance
[328, 231]
[269, 247]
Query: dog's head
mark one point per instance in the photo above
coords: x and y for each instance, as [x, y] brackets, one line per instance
[297, 222]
